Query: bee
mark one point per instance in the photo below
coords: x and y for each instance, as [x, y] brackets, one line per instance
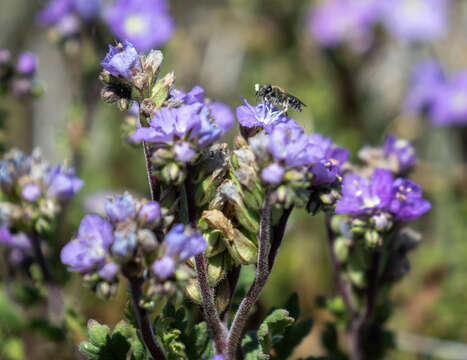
[278, 97]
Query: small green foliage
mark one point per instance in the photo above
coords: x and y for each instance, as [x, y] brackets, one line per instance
[330, 342]
[252, 349]
[122, 344]
[271, 330]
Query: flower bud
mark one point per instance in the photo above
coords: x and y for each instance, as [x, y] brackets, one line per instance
[216, 271]
[193, 292]
[149, 214]
[152, 62]
[98, 334]
[173, 174]
[147, 240]
[124, 104]
[162, 156]
[373, 238]
[161, 89]
[341, 248]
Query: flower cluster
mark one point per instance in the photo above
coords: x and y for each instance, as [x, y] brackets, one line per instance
[32, 192]
[338, 22]
[381, 193]
[18, 77]
[443, 99]
[126, 238]
[146, 23]
[291, 159]
[397, 155]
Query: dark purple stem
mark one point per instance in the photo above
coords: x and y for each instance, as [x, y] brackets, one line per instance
[262, 274]
[232, 278]
[278, 235]
[144, 323]
[215, 325]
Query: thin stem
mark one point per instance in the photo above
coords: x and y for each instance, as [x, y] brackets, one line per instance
[262, 274]
[144, 323]
[232, 278]
[153, 183]
[278, 235]
[216, 327]
[342, 286]
[55, 302]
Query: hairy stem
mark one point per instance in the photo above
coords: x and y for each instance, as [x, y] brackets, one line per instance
[215, 325]
[232, 278]
[262, 274]
[144, 323]
[152, 180]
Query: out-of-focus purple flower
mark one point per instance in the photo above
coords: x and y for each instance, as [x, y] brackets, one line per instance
[164, 267]
[407, 202]
[27, 63]
[62, 182]
[120, 207]
[416, 20]
[90, 247]
[329, 160]
[146, 23]
[125, 241]
[149, 213]
[402, 150]
[13, 165]
[109, 271]
[273, 173]
[184, 152]
[5, 56]
[183, 242]
[263, 115]
[427, 79]
[338, 22]
[31, 192]
[122, 60]
[87, 9]
[16, 241]
[450, 102]
[360, 194]
[217, 357]
[222, 114]
[55, 11]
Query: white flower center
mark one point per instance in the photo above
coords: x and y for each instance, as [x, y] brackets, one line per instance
[136, 24]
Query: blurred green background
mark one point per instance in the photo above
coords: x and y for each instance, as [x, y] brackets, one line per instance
[226, 47]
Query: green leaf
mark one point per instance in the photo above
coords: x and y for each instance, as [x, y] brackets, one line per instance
[272, 328]
[252, 349]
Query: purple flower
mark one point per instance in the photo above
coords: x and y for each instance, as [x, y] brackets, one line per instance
[273, 173]
[361, 195]
[181, 127]
[31, 192]
[164, 267]
[62, 182]
[146, 23]
[450, 102]
[337, 22]
[401, 150]
[90, 247]
[149, 213]
[109, 271]
[87, 9]
[27, 63]
[217, 357]
[221, 113]
[55, 11]
[263, 115]
[329, 160]
[407, 202]
[290, 145]
[16, 241]
[120, 207]
[125, 241]
[427, 79]
[416, 20]
[183, 242]
[122, 60]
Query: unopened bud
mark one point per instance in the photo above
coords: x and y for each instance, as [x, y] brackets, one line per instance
[161, 89]
[341, 248]
[152, 62]
[162, 156]
[108, 95]
[173, 174]
[373, 238]
[193, 292]
[124, 104]
[147, 240]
